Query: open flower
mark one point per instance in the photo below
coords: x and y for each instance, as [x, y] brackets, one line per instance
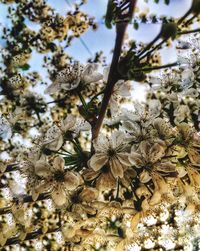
[147, 153]
[5, 129]
[69, 128]
[141, 114]
[121, 89]
[28, 170]
[111, 152]
[162, 189]
[57, 181]
[181, 113]
[70, 78]
[149, 156]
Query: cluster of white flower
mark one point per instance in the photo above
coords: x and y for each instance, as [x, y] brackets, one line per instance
[91, 175]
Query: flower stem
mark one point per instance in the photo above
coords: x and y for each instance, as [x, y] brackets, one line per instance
[188, 22]
[148, 46]
[57, 152]
[82, 101]
[117, 193]
[77, 145]
[156, 67]
[93, 98]
[56, 100]
[153, 49]
[188, 32]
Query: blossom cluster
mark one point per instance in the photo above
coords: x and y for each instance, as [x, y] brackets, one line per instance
[136, 186]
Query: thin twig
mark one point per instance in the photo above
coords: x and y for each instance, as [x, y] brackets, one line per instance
[156, 67]
[153, 49]
[188, 32]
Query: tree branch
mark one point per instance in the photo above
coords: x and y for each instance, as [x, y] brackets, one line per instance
[30, 236]
[113, 76]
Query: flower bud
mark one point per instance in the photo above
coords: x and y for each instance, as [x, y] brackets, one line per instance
[169, 30]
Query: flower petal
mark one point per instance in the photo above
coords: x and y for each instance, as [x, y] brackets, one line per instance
[105, 181]
[116, 168]
[145, 177]
[89, 174]
[97, 161]
[59, 196]
[59, 163]
[5, 129]
[101, 144]
[89, 194]
[157, 151]
[68, 86]
[136, 159]
[114, 105]
[156, 198]
[124, 89]
[105, 73]
[194, 156]
[117, 139]
[43, 187]
[54, 87]
[42, 169]
[166, 167]
[56, 144]
[90, 74]
[52, 134]
[71, 181]
[68, 123]
[124, 159]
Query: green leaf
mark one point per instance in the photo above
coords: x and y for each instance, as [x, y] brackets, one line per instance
[136, 25]
[167, 2]
[25, 67]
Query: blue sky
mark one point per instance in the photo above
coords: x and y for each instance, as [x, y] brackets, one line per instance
[103, 38]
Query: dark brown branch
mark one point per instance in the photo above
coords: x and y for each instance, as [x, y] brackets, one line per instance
[25, 199]
[113, 76]
[12, 167]
[5, 210]
[29, 236]
[28, 198]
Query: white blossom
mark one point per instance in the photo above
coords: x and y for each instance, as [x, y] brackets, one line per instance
[111, 151]
[70, 78]
[5, 129]
[56, 180]
[54, 137]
